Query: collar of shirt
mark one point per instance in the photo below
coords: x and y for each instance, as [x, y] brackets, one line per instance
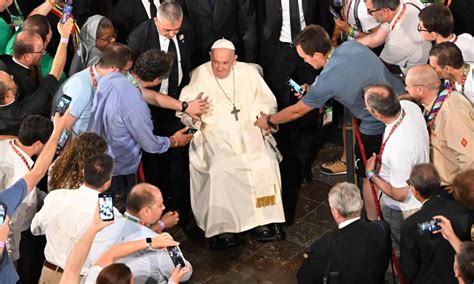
[146, 5]
[347, 222]
[390, 125]
[132, 218]
[97, 76]
[86, 188]
[19, 63]
[28, 159]
[165, 42]
[400, 9]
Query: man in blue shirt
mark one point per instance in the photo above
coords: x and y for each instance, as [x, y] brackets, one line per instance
[14, 195]
[121, 115]
[347, 70]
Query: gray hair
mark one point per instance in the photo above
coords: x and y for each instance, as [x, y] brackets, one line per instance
[345, 198]
[384, 102]
[169, 11]
[389, 4]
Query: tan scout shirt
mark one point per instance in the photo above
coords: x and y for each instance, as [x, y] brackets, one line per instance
[452, 138]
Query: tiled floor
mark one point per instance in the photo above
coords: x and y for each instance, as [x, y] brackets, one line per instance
[275, 262]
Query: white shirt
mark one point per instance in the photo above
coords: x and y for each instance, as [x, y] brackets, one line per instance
[407, 146]
[404, 45]
[465, 42]
[347, 222]
[64, 218]
[12, 168]
[146, 5]
[468, 85]
[285, 34]
[164, 44]
[93, 273]
[147, 266]
[366, 21]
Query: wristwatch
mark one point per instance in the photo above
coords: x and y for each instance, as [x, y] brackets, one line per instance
[148, 243]
[184, 106]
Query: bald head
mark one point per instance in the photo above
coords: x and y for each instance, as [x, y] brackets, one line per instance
[423, 75]
[142, 195]
[8, 88]
[26, 42]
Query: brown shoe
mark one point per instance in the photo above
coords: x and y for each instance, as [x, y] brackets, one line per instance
[334, 168]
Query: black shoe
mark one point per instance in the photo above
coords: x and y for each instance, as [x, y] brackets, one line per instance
[269, 233]
[224, 241]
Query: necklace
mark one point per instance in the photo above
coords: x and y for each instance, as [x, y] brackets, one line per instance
[235, 111]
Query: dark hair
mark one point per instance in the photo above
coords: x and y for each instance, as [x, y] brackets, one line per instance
[425, 179]
[386, 103]
[314, 39]
[389, 4]
[98, 169]
[3, 91]
[465, 259]
[448, 54]
[153, 64]
[38, 24]
[138, 199]
[437, 18]
[103, 24]
[463, 185]
[116, 273]
[25, 43]
[115, 55]
[34, 128]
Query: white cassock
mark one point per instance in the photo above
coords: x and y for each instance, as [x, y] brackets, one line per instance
[235, 178]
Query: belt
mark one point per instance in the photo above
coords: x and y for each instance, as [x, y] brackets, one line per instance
[290, 44]
[53, 267]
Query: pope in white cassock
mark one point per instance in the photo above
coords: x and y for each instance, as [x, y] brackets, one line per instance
[235, 178]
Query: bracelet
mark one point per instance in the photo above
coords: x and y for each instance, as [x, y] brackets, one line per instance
[175, 143]
[64, 40]
[371, 175]
[2, 244]
[162, 225]
[353, 33]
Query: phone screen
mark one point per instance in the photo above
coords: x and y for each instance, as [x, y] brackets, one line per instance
[66, 13]
[176, 256]
[295, 87]
[63, 104]
[3, 212]
[62, 140]
[106, 207]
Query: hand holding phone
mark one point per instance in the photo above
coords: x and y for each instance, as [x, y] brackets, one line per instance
[106, 206]
[67, 11]
[176, 256]
[295, 86]
[63, 104]
[62, 141]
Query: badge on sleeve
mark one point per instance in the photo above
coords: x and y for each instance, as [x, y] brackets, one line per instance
[464, 142]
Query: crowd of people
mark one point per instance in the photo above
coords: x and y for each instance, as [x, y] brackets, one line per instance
[206, 114]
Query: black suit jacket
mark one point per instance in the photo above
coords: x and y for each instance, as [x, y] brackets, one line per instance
[428, 258]
[21, 76]
[146, 37]
[360, 252]
[126, 15]
[270, 18]
[234, 20]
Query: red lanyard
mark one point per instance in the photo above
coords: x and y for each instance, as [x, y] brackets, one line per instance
[94, 80]
[20, 155]
[399, 16]
[346, 16]
[382, 147]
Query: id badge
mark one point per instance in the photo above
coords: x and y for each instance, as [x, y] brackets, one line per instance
[327, 118]
[17, 21]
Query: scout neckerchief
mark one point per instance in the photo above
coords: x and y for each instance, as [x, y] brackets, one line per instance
[382, 147]
[430, 117]
[22, 157]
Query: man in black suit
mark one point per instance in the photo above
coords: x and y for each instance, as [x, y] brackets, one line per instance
[357, 252]
[169, 171]
[426, 257]
[128, 14]
[234, 20]
[279, 22]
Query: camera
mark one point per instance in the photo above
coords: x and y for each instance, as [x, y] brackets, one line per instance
[429, 226]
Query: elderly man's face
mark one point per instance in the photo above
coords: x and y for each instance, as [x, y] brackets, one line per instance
[155, 209]
[222, 60]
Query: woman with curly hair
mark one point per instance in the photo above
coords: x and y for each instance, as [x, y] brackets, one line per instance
[66, 171]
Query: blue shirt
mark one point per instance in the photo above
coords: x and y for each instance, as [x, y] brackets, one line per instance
[121, 115]
[351, 68]
[81, 90]
[12, 197]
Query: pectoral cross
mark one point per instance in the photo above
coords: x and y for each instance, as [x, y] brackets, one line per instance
[235, 111]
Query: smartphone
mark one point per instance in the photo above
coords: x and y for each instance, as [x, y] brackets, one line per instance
[67, 10]
[176, 256]
[295, 87]
[62, 140]
[429, 226]
[63, 104]
[3, 212]
[334, 13]
[106, 206]
[191, 131]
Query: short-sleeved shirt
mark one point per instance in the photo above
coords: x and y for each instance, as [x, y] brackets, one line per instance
[5, 35]
[468, 85]
[367, 22]
[406, 147]
[12, 197]
[465, 42]
[352, 67]
[81, 90]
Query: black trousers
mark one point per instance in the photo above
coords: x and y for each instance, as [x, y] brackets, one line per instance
[296, 139]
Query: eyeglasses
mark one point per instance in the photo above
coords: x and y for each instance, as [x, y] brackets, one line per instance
[370, 12]
[419, 29]
[109, 38]
[42, 51]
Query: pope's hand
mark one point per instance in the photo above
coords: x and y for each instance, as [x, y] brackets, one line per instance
[197, 107]
[262, 123]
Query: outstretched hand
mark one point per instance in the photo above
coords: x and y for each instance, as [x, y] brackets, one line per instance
[197, 107]
[262, 123]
